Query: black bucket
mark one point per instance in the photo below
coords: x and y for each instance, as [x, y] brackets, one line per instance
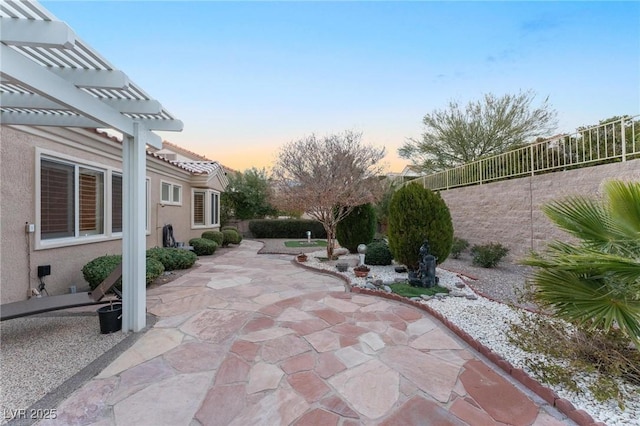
[110, 318]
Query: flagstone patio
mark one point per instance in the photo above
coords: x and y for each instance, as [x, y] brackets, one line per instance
[248, 339]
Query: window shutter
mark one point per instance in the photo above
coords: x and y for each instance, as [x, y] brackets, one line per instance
[91, 193]
[198, 208]
[56, 200]
[116, 203]
[88, 199]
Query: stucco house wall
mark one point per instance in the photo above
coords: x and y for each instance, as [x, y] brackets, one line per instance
[21, 253]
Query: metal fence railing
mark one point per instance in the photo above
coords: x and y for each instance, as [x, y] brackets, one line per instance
[617, 140]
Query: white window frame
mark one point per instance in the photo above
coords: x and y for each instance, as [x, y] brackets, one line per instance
[208, 195]
[77, 239]
[171, 201]
[147, 222]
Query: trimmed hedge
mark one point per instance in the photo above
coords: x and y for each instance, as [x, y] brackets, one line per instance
[378, 253]
[203, 247]
[230, 237]
[359, 227]
[286, 228]
[172, 258]
[154, 269]
[238, 239]
[214, 236]
[99, 268]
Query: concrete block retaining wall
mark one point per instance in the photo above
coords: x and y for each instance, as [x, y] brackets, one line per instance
[509, 212]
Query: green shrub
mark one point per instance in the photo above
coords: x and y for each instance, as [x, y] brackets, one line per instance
[359, 227]
[172, 258]
[99, 269]
[488, 255]
[378, 253]
[202, 246]
[417, 214]
[214, 236]
[286, 228]
[154, 269]
[238, 239]
[230, 237]
[459, 245]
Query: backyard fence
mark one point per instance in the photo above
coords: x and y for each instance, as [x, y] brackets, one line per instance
[613, 141]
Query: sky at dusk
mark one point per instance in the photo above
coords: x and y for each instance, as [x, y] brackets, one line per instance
[248, 77]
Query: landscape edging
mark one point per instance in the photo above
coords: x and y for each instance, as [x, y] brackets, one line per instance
[581, 417]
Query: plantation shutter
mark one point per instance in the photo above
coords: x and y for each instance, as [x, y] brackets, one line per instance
[116, 203]
[198, 208]
[91, 189]
[56, 200]
[87, 202]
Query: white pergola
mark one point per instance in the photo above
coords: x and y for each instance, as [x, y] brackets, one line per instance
[49, 77]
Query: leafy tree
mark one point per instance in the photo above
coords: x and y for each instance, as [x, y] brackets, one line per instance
[417, 214]
[247, 196]
[326, 177]
[358, 227]
[458, 135]
[595, 282]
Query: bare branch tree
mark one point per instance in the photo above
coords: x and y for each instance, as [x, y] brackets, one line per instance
[458, 135]
[326, 177]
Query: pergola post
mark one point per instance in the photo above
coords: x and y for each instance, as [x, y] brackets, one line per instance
[133, 232]
[49, 77]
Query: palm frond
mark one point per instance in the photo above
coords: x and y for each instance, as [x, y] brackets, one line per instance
[624, 208]
[587, 302]
[583, 218]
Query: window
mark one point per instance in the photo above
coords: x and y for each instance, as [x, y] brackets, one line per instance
[91, 196]
[116, 203]
[170, 193]
[215, 205]
[71, 200]
[57, 206]
[198, 208]
[205, 205]
[80, 202]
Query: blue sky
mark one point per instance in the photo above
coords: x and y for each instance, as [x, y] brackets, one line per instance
[247, 77]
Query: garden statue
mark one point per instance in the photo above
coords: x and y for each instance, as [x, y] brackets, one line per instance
[425, 276]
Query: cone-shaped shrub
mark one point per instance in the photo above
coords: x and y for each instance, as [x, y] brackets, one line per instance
[417, 214]
[359, 227]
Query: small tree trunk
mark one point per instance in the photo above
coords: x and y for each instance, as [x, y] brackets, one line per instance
[330, 240]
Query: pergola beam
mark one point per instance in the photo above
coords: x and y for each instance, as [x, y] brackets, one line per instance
[131, 106]
[94, 79]
[58, 120]
[39, 80]
[25, 32]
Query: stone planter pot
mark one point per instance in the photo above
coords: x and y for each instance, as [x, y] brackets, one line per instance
[342, 267]
[301, 257]
[360, 274]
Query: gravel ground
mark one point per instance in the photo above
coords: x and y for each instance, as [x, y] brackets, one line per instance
[504, 283]
[40, 353]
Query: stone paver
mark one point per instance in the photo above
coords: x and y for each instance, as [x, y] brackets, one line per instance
[275, 344]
